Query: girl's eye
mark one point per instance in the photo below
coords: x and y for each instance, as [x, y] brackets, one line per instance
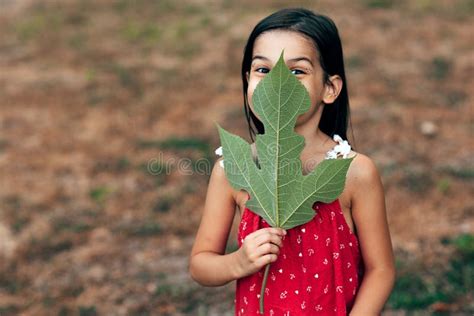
[297, 72]
[262, 70]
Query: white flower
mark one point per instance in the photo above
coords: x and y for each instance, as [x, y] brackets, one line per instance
[331, 154]
[342, 148]
[218, 152]
[337, 138]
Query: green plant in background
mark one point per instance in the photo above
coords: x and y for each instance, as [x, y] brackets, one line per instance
[440, 68]
[417, 288]
[461, 267]
[99, 194]
[279, 192]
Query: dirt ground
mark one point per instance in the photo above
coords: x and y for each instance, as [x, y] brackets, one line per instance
[98, 98]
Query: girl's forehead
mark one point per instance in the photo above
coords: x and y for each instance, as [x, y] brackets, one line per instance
[271, 43]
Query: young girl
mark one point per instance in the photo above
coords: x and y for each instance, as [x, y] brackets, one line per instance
[339, 263]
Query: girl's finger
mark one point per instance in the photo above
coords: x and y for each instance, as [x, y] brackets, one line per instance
[273, 230]
[268, 238]
[266, 259]
[266, 249]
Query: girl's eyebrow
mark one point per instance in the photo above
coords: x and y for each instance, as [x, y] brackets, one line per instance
[301, 58]
[292, 60]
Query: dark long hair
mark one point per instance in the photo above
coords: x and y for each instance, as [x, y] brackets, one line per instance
[323, 32]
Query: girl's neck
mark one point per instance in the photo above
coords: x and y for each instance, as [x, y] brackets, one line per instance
[316, 141]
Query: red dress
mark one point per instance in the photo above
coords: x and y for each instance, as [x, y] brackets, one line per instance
[318, 270]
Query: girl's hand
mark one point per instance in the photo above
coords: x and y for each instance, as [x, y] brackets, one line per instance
[260, 248]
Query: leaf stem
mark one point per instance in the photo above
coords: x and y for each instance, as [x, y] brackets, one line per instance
[264, 283]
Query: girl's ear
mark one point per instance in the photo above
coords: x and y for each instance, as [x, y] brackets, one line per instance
[333, 88]
[247, 74]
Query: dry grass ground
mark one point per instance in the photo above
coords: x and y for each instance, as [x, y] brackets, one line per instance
[98, 98]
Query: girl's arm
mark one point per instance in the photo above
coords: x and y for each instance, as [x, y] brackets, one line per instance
[369, 214]
[207, 263]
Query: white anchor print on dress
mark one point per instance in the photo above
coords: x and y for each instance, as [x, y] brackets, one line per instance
[283, 294]
[298, 239]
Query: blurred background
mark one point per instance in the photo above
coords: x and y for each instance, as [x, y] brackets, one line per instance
[107, 112]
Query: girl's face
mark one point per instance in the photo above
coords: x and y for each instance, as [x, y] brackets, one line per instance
[302, 59]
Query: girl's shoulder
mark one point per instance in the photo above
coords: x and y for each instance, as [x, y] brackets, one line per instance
[218, 179]
[362, 166]
[362, 175]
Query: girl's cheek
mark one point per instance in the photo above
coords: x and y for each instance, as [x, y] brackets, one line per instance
[250, 90]
[252, 108]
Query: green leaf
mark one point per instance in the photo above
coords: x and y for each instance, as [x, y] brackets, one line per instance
[279, 192]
